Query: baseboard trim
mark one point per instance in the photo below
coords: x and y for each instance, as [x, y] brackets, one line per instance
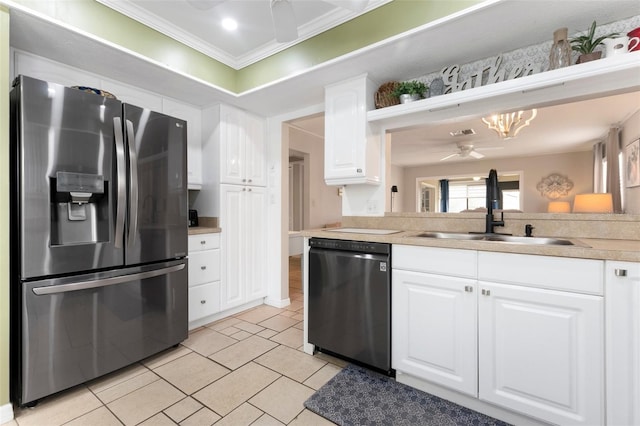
[278, 303]
[6, 413]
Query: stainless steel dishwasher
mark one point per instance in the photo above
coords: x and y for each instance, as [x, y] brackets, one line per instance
[350, 300]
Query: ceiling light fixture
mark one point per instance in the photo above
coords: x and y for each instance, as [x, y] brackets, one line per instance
[508, 125]
[229, 24]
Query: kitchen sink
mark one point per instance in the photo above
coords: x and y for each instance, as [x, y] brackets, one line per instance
[451, 235]
[501, 238]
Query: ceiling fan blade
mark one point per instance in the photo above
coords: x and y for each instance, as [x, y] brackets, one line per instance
[205, 4]
[354, 5]
[475, 154]
[449, 156]
[284, 21]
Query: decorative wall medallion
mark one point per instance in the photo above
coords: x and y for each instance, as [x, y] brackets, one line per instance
[554, 186]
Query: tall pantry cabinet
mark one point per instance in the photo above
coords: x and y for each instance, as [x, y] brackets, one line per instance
[239, 139]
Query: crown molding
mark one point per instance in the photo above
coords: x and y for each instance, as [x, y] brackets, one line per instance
[323, 23]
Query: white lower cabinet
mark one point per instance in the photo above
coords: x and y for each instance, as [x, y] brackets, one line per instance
[243, 219]
[541, 352]
[204, 276]
[503, 327]
[622, 295]
[434, 329]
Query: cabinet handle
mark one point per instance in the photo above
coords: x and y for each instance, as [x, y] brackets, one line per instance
[203, 267]
[620, 272]
[468, 288]
[203, 242]
[250, 181]
[486, 292]
[244, 189]
[202, 302]
[249, 189]
[244, 180]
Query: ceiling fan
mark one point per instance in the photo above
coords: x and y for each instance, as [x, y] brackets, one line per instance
[467, 150]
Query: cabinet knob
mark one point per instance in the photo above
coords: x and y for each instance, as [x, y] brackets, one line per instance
[203, 302]
[468, 288]
[249, 190]
[203, 267]
[244, 189]
[244, 180]
[250, 181]
[620, 272]
[486, 292]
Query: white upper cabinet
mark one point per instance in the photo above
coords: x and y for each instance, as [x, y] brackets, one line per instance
[193, 117]
[622, 295]
[352, 153]
[242, 147]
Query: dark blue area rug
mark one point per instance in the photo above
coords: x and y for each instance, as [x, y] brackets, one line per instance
[357, 396]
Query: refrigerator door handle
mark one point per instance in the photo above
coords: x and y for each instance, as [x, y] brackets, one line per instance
[83, 285]
[133, 184]
[121, 202]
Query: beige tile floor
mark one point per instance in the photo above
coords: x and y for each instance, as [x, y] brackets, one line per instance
[248, 369]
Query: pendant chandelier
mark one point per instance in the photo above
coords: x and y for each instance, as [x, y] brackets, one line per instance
[508, 125]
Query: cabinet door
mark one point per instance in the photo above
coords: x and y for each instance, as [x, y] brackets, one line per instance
[540, 352]
[193, 117]
[623, 342]
[255, 155]
[256, 242]
[345, 140]
[434, 329]
[232, 146]
[234, 264]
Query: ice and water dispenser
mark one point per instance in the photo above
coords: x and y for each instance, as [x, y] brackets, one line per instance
[80, 208]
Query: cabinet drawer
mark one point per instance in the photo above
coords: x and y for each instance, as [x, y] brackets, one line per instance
[558, 273]
[203, 242]
[453, 262]
[204, 300]
[204, 266]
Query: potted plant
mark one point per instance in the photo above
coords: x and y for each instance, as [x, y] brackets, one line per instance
[409, 91]
[586, 44]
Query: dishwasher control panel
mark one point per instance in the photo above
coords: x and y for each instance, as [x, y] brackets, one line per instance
[347, 245]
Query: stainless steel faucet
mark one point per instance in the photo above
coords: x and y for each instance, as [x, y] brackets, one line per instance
[493, 201]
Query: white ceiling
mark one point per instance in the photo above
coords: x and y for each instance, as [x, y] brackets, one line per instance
[198, 23]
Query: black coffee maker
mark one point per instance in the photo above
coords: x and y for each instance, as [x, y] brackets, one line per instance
[193, 218]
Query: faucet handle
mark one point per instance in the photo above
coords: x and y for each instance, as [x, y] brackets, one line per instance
[528, 229]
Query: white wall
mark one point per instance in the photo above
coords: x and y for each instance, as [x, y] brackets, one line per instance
[631, 132]
[576, 166]
[322, 202]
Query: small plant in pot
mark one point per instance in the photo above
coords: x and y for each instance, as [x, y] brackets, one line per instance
[409, 91]
[587, 43]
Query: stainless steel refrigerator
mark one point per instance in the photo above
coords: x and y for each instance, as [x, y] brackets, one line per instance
[99, 236]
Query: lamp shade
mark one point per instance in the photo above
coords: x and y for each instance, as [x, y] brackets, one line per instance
[593, 203]
[559, 207]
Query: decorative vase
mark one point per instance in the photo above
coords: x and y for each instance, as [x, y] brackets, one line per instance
[409, 98]
[587, 57]
[560, 55]
[634, 39]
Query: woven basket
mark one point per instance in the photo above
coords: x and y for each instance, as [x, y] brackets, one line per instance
[384, 97]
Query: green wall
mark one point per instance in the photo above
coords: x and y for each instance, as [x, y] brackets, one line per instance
[389, 20]
[372, 27]
[4, 206]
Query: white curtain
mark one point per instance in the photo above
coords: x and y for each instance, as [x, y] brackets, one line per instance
[607, 168]
[614, 178]
[598, 167]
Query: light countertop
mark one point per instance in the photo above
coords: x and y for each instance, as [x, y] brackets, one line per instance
[197, 230]
[603, 249]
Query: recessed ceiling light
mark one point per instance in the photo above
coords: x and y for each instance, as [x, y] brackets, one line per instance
[229, 24]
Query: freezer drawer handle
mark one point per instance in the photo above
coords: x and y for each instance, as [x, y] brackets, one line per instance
[83, 285]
